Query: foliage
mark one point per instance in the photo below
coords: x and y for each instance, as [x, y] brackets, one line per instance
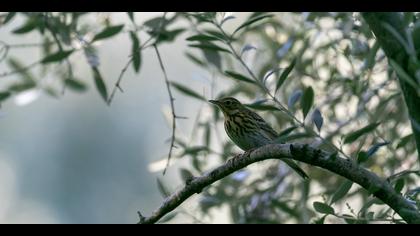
[323, 69]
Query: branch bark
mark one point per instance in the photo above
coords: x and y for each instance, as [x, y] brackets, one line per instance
[379, 23]
[300, 152]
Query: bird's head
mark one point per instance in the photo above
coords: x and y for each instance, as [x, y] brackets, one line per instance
[229, 105]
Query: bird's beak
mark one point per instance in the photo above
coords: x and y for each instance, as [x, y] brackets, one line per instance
[215, 102]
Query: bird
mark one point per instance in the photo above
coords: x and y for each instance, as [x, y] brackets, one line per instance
[247, 129]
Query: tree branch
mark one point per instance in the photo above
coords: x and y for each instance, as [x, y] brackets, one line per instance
[300, 152]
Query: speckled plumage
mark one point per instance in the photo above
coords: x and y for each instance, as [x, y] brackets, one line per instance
[247, 129]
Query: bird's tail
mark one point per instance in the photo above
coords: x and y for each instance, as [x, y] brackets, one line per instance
[296, 168]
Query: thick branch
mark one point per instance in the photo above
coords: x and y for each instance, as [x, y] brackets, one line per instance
[380, 24]
[315, 157]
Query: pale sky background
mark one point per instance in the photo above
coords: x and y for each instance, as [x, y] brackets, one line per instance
[76, 160]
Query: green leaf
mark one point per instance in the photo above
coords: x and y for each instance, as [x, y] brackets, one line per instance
[341, 191]
[29, 25]
[323, 208]
[404, 140]
[399, 185]
[284, 74]
[251, 21]
[75, 85]
[9, 17]
[195, 59]
[168, 217]
[108, 32]
[353, 136]
[135, 51]
[362, 157]
[307, 101]
[287, 131]
[100, 84]
[131, 16]
[262, 107]
[209, 46]
[4, 96]
[317, 119]
[187, 91]
[162, 188]
[294, 97]
[370, 60]
[403, 75]
[239, 77]
[202, 37]
[58, 56]
[23, 86]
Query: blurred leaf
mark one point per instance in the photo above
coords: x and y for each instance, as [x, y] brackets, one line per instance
[362, 157]
[287, 131]
[108, 32]
[399, 185]
[262, 107]
[162, 188]
[22, 86]
[403, 75]
[207, 137]
[284, 74]
[168, 35]
[9, 17]
[25, 74]
[209, 46]
[131, 16]
[285, 208]
[370, 60]
[239, 77]
[75, 85]
[341, 191]
[404, 140]
[288, 138]
[317, 119]
[350, 219]
[186, 175]
[320, 221]
[195, 59]
[353, 136]
[58, 56]
[251, 21]
[307, 101]
[28, 26]
[187, 91]
[375, 148]
[135, 51]
[100, 84]
[4, 96]
[294, 97]
[202, 37]
[323, 208]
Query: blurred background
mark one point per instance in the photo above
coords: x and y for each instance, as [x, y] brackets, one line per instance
[73, 159]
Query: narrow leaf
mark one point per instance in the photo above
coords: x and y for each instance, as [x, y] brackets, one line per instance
[405, 140]
[131, 16]
[317, 119]
[75, 85]
[135, 51]
[186, 175]
[294, 97]
[187, 91]
[251, 21]
[4, 96]
[362, 157]
[239, 77]
[287, 131]
[307, 101]
[100, 84]
[284, 74]
[58, 56]
[375, 148]
[323, 208]
[208, 46]
[353, 136]
[9, 17]
[399, 185]
[108, 32]
[403, 75]
[202, 37]
[341, 191]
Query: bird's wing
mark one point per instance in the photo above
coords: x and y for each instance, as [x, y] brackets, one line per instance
[270, 132]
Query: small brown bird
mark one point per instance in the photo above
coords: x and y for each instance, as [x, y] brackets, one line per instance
[247, 129]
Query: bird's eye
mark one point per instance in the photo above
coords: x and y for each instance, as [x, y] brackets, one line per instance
[228, 103]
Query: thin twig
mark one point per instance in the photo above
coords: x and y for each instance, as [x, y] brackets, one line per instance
[117, 85]
[171, 99]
